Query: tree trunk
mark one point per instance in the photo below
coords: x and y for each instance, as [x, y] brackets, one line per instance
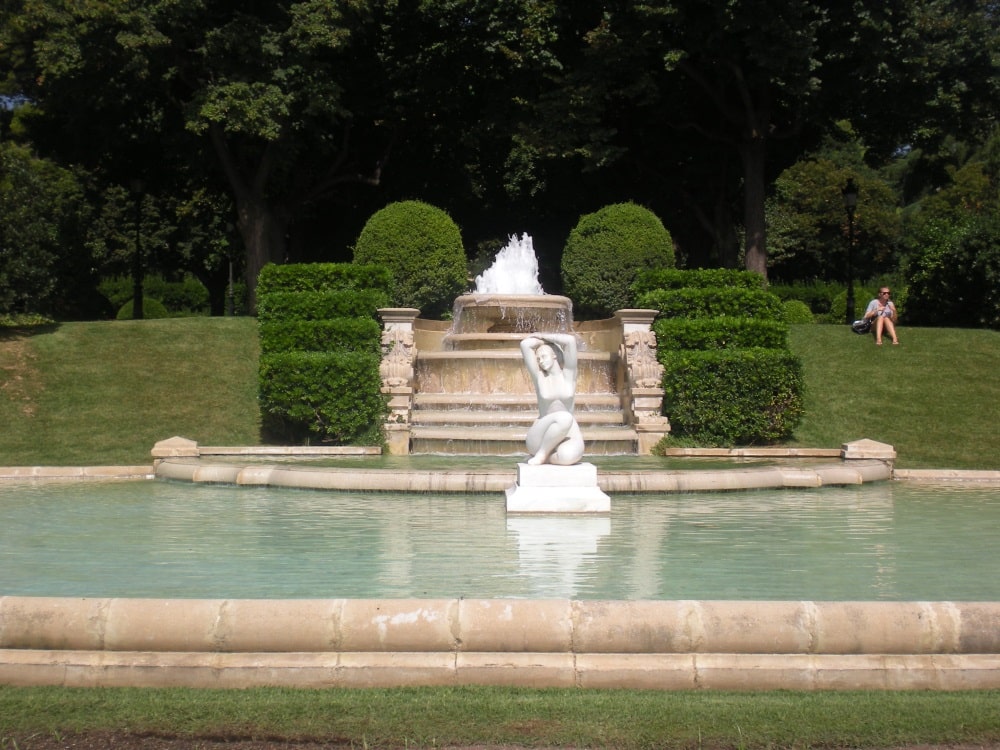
[263, 235]
[753, 152]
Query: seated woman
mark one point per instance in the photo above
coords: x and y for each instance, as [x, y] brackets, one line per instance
[555, 437]
[883, 311]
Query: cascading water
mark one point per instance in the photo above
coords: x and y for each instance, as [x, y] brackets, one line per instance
[515, 270]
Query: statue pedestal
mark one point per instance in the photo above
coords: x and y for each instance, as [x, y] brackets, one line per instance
[557, 489]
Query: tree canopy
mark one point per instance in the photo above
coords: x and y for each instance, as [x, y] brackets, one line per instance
[311, 114]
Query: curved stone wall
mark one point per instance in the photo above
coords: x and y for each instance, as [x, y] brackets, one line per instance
[535, 643]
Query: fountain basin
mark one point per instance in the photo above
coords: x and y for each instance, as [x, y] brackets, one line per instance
[512, 313]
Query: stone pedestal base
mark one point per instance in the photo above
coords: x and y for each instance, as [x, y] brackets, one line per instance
[557, 489]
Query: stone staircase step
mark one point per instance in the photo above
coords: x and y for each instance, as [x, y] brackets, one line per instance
[509, 401]
[509, 441]
[504, 417]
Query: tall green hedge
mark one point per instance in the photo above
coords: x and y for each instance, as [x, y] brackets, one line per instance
[319, 376]
[713, 302]
[605, 252]
[422, 247]
[729, 378]
[676, 278]
[733, 396]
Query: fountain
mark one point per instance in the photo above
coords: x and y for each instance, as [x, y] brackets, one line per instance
[460, 387]
[514, 271]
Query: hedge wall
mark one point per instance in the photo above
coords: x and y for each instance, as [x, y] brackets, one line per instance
[733, 396]
[320, 352]
[729, 378]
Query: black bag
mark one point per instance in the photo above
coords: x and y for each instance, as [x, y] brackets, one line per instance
[862, 326]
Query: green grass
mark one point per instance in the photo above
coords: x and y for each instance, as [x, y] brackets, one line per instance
[106, 392]
[935, 397]
[436, 717]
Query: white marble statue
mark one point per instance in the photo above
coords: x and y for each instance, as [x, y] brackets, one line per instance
[555, 437]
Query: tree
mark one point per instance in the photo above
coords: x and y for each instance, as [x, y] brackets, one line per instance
[760, 81]
[298, 103]
[263, 88]
[43, 266]
[807, 222]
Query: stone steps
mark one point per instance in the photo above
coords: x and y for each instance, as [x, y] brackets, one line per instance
[508, 440]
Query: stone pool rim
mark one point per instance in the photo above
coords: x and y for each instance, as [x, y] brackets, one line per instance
[356, 643]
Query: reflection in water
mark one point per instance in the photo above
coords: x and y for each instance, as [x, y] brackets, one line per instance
[891, 541]
[555, 551]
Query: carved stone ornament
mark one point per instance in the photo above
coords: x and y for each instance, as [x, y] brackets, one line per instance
[644, 371]
[396, 367]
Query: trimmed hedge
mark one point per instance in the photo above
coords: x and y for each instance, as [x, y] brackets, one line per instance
[338, 334]
[712, 302]
[604, 253]
[319, 305]
[422, 248]
[720, 278]
[729, 378]
[720, 333]
[797, 311]
[322, 277]
[320, 352]
[152, 309]
[733, 397]
[333, 396]
[188, 295]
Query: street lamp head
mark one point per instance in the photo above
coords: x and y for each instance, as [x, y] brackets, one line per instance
[850, 195]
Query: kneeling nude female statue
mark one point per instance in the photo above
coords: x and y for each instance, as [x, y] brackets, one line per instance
[555, 437]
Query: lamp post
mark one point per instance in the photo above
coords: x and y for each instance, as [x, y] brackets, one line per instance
[850, 195]
[137, 269]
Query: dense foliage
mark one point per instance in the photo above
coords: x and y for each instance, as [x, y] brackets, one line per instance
[320, 351]
[733, 396]
[269, 132]
[604, 253]
[709, 302]
[42, 218]
[955, 279]
[422, 248]
[729, 378]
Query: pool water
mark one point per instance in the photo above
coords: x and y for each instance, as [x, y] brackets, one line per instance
[884, 541]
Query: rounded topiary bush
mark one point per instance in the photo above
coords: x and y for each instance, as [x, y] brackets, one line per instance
[422, 248]
[152, 308]
[605, 252]
[797, 311]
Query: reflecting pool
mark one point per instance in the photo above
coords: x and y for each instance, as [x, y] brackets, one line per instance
[885, 541]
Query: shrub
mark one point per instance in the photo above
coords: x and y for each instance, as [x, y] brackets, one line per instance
[331, 397]
[797, 311]
[709, 303]
[954, 280]
[339, 334]
[422, 248]
[675, 278]
[152, 309]
[605, 252]
[818, 295]
[720, 333]
[733, 397]
[320, 352]
[188, 295]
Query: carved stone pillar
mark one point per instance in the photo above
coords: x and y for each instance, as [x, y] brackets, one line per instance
[643, 397]
[396, 369]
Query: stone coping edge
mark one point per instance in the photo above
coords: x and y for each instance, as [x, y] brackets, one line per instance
[745, 672]
[498, 480]
[622, 481]
[532, 643]
[196, 470]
